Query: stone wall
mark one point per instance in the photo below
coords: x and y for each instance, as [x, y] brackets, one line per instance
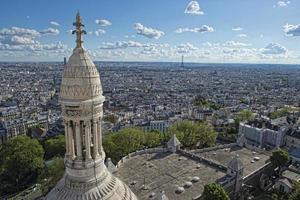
[213, 148]
[140, 152]
[202, 160]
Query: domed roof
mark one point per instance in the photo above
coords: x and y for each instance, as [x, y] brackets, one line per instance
[81, 80]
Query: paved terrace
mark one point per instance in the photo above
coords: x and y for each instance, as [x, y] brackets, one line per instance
[223, 156]
[166, 172]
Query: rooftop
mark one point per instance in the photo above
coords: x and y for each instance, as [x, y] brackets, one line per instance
[166, 172]
[224, 156]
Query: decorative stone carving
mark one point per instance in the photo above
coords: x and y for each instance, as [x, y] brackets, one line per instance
[86, 176]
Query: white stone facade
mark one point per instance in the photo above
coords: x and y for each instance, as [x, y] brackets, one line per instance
[86, 175]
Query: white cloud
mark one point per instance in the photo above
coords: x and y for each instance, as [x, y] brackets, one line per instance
[186, 48]
[19, 31]
[26, 46]
[242, 35]
[54, 46]
[283, 3]
[209, 44]
[120, 45]
[274, 48]
[237, 28]
[235, 44]
[53, 23]
[103, 22]
[50, 31]
[193, 8]
[100, 32]
[292, 30]
[20, 40]
[147, 31]
[202, 29]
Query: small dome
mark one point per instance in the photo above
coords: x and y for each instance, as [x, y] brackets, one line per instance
[179, 189]
[81, 80]
[195, 179]
[188, 184]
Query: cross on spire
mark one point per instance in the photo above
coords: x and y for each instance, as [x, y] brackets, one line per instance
[79, 31]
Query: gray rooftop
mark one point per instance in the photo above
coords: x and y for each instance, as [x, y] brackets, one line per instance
[166, 172]
[224, 156]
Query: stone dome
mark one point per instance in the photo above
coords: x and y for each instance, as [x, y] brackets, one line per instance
[81, 80]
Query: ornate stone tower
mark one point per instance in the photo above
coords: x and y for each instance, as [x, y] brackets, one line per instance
[86, 175]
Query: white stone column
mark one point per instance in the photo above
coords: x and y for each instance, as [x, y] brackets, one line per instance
[71, 141]
[67, 137]
[87, 140]
[99, 136]
[78, 140]
[95, 139]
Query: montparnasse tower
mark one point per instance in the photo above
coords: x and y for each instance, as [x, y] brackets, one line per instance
[86, 176]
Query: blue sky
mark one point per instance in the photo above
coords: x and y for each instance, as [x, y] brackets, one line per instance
[246, 31]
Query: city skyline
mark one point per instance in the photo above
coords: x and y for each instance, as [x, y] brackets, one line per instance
[201, 31]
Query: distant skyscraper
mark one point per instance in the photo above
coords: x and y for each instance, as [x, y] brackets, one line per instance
[182, 64]
[86, 175]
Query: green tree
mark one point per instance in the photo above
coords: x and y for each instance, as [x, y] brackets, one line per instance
[244, 115]
[152, 138]
[280, 158]
[51, 174]
[21, 160]
[111, 118]
[191, 133]
[123, 142]
[55, 147]
[214, 191]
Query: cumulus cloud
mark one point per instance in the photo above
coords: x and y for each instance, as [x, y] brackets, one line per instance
[54, 46]
[103, 22]
[193, 8]
[274, 48]
[19, 40]
[50, 31]
[99, 32]
[242, 35]
[120, 45]
[33, 47]
[202, 29]
[53, 23]
[24, 41]
[283, 3]
[147, 31]
[235, 44]
[19, 31]
[292, 30]
[186, 48]
[237, 28]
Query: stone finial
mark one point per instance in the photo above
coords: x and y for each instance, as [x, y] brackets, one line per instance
[79, 31]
